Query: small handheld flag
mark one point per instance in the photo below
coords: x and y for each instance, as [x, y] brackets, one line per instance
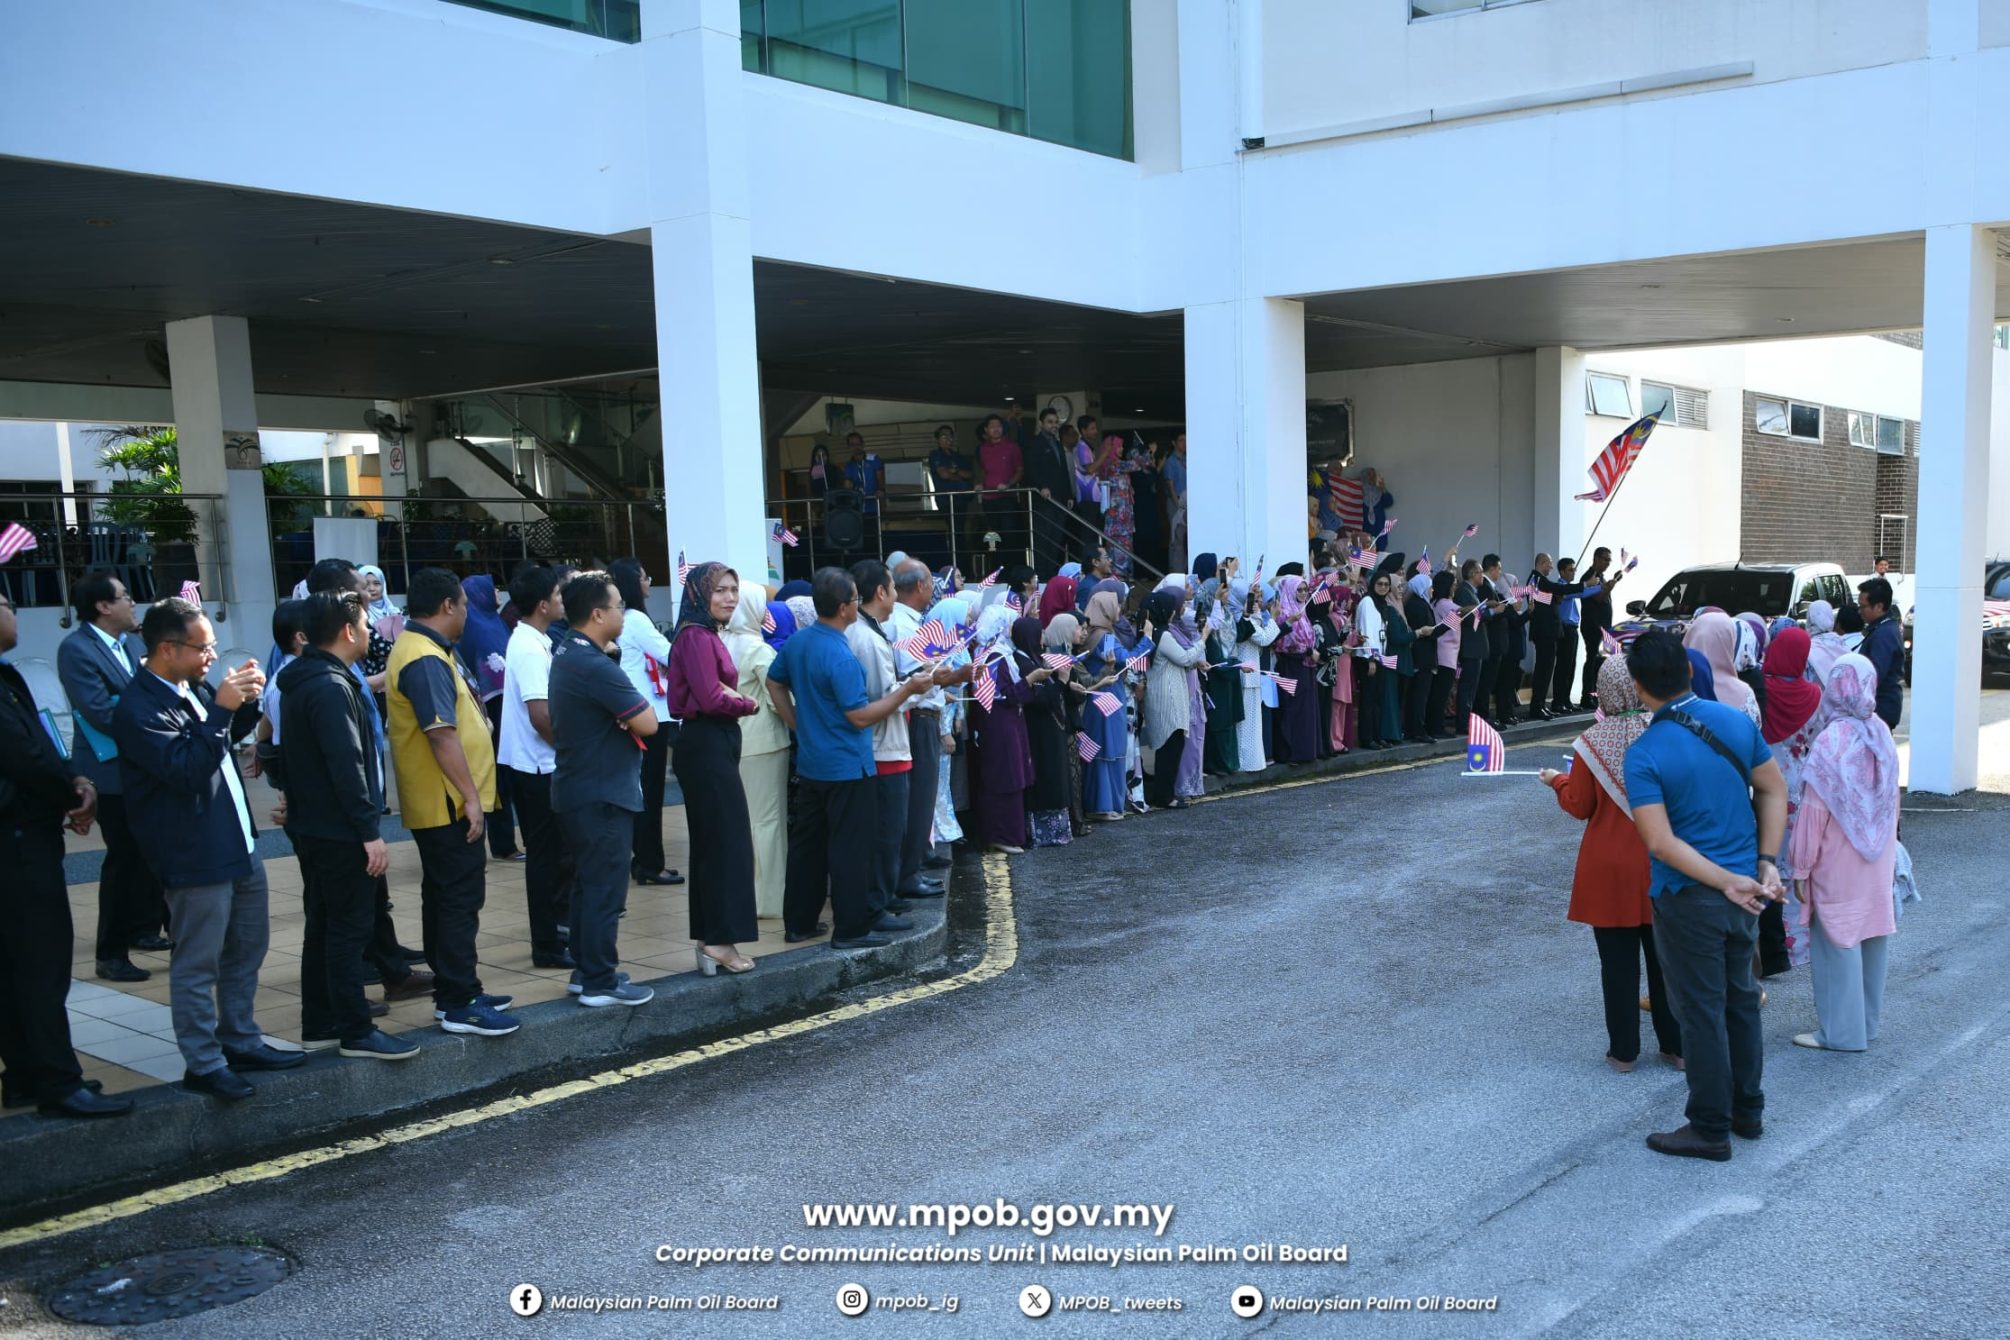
[1472, 530]
[1285, 682]
[1388, 662]
[1389, 526]
[14, 540]
[1012, 599]
[1424, 561]
[1055, 660]
[989, 580]
[191, 592]
[1137, 662]
[683, 568]
[1106, 703]
[1484, 750]
[784, 534]
[929, 641]
[1541, 597]
[985, 688]
[767, 621]
[1086, 747]
[1608, 644]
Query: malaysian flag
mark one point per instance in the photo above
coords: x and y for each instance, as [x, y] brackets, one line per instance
[1423, 567]
[767, 621]
[1285, 682]
[1541, 597]
[1106, 703]
[989, 580]
[1388, 527]
[929, 641]
[683, 569]
[1628, 562]
[1484, 750]
[1609, 644]
[1137, 662]
[1357, 556]
[1086, 747]
[1348, 497]
[1055, 660]
[14, 539]
[1388, 662]
[784, 534]
[1472, 530]
[984, 688]
[1617, 458]
[1013, 601]
[191, 593]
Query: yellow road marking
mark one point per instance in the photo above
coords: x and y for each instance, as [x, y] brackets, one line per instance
[1001, 951]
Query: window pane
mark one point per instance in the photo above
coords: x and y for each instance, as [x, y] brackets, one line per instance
[1424, 9]
[1891, 436]
[1609, 395]
[1078, 62]
[753, 35]
[1657, 399]
[852, 46]
[966, 59]
[1806, 421]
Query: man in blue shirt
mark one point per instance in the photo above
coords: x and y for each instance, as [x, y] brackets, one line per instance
[1883, 647]
[1553, 629]
[818, 689]
[1694, 781]
[864, 472]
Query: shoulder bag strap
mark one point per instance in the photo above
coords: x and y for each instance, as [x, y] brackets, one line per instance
[1703, 733]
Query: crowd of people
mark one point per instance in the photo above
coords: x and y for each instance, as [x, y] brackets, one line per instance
[834, 740]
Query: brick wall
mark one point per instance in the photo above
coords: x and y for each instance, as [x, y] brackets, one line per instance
[1815, 502]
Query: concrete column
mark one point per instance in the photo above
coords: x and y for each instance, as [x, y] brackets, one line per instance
[1953, 494]
[702, 242]
[1245, 420]
[216, 429]
[1561, 522]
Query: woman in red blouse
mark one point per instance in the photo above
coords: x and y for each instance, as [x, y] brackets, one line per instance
[1609, 893]
[703, 693]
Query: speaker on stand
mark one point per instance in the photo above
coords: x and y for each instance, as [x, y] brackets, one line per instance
[844, 523]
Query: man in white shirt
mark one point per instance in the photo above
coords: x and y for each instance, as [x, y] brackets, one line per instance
[526, 749]
[913, 590]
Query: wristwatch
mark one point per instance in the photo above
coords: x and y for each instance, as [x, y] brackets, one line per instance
[1773, 861]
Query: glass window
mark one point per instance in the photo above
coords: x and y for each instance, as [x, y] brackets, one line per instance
[1430, 9]
[1763, 593]
[1891, 436]
[966, 59]
[1862, 429]
[1607, 393]
[850, 46]
[1078, 67]
[1656, 398]
[2000, 590]
[1805, 421]
[620, 20]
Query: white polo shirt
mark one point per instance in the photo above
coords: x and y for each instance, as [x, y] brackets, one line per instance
[526, 679]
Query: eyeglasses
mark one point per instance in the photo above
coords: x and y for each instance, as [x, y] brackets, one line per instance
[200, 648]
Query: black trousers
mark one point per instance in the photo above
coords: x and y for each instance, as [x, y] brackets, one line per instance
[924, 736]
[1545, 671]
[1565, 679]
[831, 832]
[648, 836]
[707, 759]
[452, 888]
[1416, 698]
[1594, 656]
[383, 954]
[1705, 945]
[1369, 727]
[501, 819]
[130, 903]
[1471, 671]
[1507, 688]
[340, 898]
[1619, 953]
[598, 835]
[547, 869]
[35, 932]
[1165, 768]
[1442, 680]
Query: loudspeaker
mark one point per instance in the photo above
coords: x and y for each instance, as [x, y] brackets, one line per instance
[844, 523]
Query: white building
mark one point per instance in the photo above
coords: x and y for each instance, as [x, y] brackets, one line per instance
[1203, 211]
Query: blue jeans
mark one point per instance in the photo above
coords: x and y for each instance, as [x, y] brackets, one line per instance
[220, 933]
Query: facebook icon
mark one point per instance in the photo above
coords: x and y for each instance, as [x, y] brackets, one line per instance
[526, 1300]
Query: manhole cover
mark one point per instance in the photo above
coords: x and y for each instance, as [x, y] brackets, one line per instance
[162, 1286]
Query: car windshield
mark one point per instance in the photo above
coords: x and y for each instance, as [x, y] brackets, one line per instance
[2000, 588]
[1734, 591]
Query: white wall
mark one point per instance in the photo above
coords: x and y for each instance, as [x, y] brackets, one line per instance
[1327, 63]
[1861, 373]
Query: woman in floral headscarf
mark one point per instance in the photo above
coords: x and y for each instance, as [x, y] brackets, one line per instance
[1105, 650]
[1610, 891]
[1334, 610]
[1826, 646]
[1845, 852]
[1297, 661]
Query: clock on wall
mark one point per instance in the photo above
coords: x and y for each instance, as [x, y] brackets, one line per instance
[1064, 407]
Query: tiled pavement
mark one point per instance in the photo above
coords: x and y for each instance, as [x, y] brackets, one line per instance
[124, 1037]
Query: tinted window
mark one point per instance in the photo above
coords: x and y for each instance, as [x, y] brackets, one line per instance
[2000, 588]
[1835, 590]
[1736, 592]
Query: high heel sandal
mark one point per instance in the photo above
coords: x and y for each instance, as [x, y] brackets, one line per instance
[712, 967]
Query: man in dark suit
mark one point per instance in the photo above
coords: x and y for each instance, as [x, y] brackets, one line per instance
[1495, 631]
[1511, 635]
[96, 662]
[1049, 472]
[1547, 629]
[1472, 641]
[1596, 613]
[187, 807]
[37, 794]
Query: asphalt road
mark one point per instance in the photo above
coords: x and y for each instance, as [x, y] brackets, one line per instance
[1344, 1013]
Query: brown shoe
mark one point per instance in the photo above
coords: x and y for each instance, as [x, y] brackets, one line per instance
[412, 988]
[1748, 1128]
[1685, 1143]
[1623, 1067]
[1647, 1002]
[1672, 1059]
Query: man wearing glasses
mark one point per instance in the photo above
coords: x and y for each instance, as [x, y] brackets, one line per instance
[187, 808]
[96, 662]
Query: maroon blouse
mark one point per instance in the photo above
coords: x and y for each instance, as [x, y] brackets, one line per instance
[700, 669]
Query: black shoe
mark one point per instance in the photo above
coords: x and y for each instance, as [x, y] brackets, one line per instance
[1543, 714]
[16, 1100]
[222, 1084]
[411, 955]
[1684, 1142]
[890, 922]
[936, 863]
[262, 1057]
[866, 941]
[797, 937]
[562, 959]
[923, 891]
[1748, 1128]
[659, 877]
[154, 944]
[86, 1102]
[378, 1009]
[896, 906]
[121, 970]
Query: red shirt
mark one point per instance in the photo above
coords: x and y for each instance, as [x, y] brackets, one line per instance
[700, 668]
[1000, 461]
[1610, 889]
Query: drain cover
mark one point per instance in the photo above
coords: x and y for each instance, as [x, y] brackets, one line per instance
[162, 1286]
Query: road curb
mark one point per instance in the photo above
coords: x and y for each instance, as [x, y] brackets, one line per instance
[44, 1160]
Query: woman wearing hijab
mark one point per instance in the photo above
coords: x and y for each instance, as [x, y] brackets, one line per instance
[1824, 648]
[1332, 615]
[481, 648]
[1610, 890]
[1377, 619]
[1061, 638]
[1205, 568]
[822, 473]
[1168, 707]
[1702, 680]
[1101, 670]
[764, 743]
[1421, 623]
[953, 612]
[1446, 611]
[1190, 782]
[1845, 853]
[703, 694]
[645, 659]
[1793, 718]
[1058, 597]
[1715, 635]
[803, 609]
[1297, 658]
[1148, 505]
[1001, 759]
[1047, 739]
[1255, 630]
[1222, 686]
[1749, 657]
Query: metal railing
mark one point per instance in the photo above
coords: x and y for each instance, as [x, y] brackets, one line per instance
[976, 531]
[150, 542]
[471, 535]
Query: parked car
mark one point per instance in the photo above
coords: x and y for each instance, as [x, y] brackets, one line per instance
[1766, 589]
[1995, 622]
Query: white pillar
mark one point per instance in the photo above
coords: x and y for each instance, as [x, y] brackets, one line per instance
[1245, 422]
[702, 242]
[1561, 521]
[216, 431]
[1953, 498]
